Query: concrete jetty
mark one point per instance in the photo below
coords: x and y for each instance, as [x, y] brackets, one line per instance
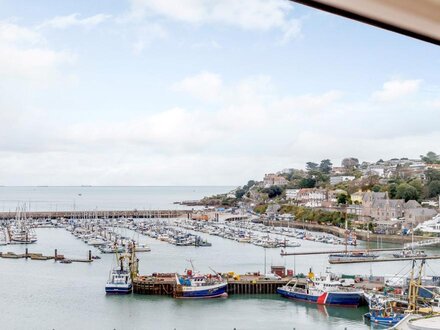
[40, 256]
[165, 285]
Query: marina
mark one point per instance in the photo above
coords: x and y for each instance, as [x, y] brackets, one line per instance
[251, 274]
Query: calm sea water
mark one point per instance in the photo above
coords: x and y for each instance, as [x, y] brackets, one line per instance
[49, 295]
[102, 198]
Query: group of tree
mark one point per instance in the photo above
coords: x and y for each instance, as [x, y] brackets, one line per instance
[240, 192]
[273, 191]
[350, 163]
[430, 158]
[302, 213]
[433, 182]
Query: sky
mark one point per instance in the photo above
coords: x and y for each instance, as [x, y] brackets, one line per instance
[203, 92]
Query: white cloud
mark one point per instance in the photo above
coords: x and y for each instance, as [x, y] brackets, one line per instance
[310, 101]
[11, 33]
[146, 34]
[251, 128]
[395, 89]
[64, 22]
[205, 86]
[260, 15]
[25, 57]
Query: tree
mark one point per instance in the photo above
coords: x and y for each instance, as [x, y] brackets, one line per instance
[376, 188]
[249, 185]
[343, 199]
[325, 166]
[307, 183]
[416, 183]
[273, 191]
[239, 193]
[350, 163]
[310, 166]
[392, 190]
[432, 174]
[434, 188]
[407, 192]
[431, 158]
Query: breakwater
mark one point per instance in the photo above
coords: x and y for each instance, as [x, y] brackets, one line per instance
[100, 214]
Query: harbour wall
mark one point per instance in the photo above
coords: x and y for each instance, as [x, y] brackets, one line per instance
[100, 214]
[340, 232]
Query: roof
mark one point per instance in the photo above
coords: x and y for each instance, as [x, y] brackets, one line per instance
[417, 19]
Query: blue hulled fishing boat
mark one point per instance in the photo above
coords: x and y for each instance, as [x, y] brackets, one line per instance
[120, 279]
[383, 311]
[119, 282]
[322, 292]
[200, 286]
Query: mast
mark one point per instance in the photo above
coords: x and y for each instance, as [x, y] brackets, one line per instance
[346, 234]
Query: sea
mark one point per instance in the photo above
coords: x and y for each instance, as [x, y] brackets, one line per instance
[51, 295]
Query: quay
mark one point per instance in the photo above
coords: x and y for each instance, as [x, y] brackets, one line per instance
[340, 232]
[40, 256]
[384, 259]
[284, 253]
[165, 285]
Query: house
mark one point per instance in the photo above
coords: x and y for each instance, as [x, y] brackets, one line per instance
[378, 170]
[354, 209]
[312, 197]
[377, 205]
[274, 180]
[418, 215]
[338, 170]
[356, 198]
[341, 178]
[292, 194]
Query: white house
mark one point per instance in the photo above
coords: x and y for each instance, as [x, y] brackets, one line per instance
[341, 178]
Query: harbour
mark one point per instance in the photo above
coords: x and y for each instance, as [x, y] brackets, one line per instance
[242, 264]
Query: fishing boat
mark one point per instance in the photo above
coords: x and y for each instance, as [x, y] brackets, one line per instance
[383, 311]
[201, 242]
[194, 285]
[119, 281]
[409, 253]
[351, 257]
[142, 248]
[322, 292]
[120, 278]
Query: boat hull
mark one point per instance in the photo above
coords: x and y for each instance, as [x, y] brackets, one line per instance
[352, 299]
[392, 320]
[213, 291]
[116, 289]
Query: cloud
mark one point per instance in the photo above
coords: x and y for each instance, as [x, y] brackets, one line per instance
[11, 33]
[251, 128]
[146, 34]
[64, 22]
[262, 15]
[24, 55]
[206, 86]
[310, 101]
[395, 89]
